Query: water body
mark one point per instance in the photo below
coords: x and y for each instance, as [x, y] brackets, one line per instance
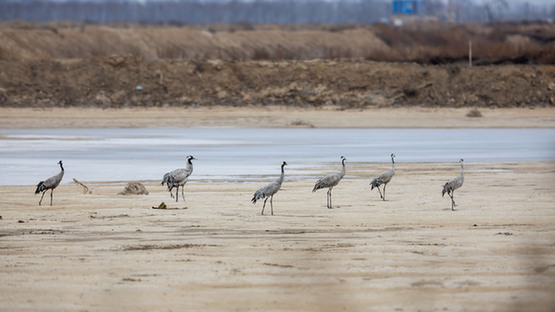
[245, 154]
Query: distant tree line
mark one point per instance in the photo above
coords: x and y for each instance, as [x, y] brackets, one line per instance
[261, 11]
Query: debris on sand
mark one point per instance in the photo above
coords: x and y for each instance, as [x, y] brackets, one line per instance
[134, 188]
[86, 189]
[161, 206]
[474, 113]
[164, 206]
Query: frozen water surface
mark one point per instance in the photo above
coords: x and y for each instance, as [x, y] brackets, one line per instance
[247, 154]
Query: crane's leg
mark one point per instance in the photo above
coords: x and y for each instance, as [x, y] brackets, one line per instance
[329, 195]
[51, 191]
[384, 191]
[177, 194]
[272, 203]
[453, 205]
[380, 192]
[170, 190]
[41, 197]
[182, 194]
[263, 206]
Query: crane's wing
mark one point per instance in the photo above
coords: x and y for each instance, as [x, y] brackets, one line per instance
[266, 191]
[327, 181]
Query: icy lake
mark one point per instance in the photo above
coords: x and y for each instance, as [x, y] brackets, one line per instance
[248, 154]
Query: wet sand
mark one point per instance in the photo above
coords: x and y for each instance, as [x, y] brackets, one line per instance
[215, 252]
[276, 117]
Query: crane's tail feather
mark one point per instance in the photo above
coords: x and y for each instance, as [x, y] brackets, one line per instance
[257, 196]
[375, 183]
[165, 179]
[319, 184]
[40, 187]
[445, 189]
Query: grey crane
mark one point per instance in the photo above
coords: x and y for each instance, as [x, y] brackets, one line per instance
[330, 181]
[452, 185]
[384, 178]
[269, 191]
[50, 184]
[178, 177]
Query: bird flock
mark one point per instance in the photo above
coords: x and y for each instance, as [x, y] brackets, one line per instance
[178, 177]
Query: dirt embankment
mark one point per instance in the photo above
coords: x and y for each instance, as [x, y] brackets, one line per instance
[113, 82]
[303, 66]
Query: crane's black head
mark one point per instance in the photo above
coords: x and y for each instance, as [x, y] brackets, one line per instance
[60, 162]
[189, 158]
[283, 164]
[461, 160]
[343, 160]
[392, 155]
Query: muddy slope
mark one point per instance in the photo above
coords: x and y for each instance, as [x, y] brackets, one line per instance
[129, 81]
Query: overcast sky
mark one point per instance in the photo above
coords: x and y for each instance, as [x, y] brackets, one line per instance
[476, 1]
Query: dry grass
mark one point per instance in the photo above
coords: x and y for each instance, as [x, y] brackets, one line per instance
[431, 43]
[442, 44]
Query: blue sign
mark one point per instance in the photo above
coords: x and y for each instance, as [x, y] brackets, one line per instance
[405, 7]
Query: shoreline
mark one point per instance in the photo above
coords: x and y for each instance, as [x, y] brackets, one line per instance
[360, 171]
[104, 251]
[275, 117]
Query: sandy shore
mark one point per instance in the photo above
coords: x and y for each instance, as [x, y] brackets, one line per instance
[108, 252]
[276, 117]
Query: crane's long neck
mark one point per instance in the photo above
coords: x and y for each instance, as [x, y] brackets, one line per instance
[392, 163]
[280, 180]
[61, 174]
[342, 168]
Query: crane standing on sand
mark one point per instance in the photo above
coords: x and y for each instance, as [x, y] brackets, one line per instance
[178, 177]
[384, 178]
[269, 191]
[50, 184]
[330, 181]
[452, 185]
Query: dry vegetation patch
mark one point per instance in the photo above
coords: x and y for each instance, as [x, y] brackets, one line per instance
[68, 64]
